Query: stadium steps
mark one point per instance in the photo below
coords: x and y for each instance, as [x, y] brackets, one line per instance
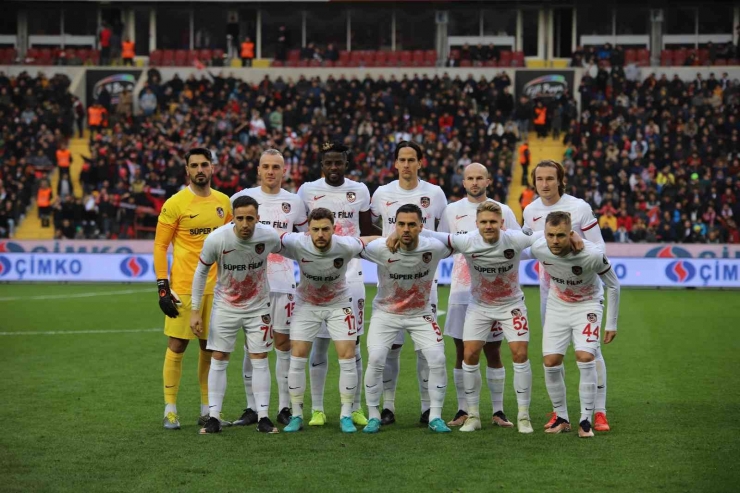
[538, 150]
[30, 228]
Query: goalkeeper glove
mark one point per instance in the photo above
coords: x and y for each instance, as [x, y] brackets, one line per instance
[166, 300]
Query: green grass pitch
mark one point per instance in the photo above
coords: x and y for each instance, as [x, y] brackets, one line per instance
[82, 412]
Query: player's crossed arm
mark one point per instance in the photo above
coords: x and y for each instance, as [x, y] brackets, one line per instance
[611, 283]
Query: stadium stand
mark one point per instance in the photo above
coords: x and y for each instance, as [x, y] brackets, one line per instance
[36, 119]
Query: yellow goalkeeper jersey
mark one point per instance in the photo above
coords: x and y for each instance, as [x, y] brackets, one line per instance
[185, 221]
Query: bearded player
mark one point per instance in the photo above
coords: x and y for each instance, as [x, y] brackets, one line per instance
[549, 180]
[349, 202]
[285, 212]
[185, 221]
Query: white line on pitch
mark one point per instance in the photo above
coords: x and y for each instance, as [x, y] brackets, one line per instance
[75, 295]
[76, 332]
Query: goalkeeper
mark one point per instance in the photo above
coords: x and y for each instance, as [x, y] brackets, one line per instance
[186, 219]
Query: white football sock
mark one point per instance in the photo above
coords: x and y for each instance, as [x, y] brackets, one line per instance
[587, 389]
[216, 386]
[247, 375]
[204, 408]
[496, 378]
[357, 404]
[472, 378]
[282, 367]
[317, 371]
[377, 357]
[347, 385]
[457, 376]
[422, 375]
[297, 384]
[556, 390]
[390, 378]
[261, 379]
[435, 357]
[523, 386]
[600, 403]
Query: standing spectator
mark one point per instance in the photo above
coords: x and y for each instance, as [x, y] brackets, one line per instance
[43, 201]
[524, 160]
[95, 116]
[540, 120]
[526, 197]
[281, 51]
[247, 52]
[128, 52]
[79, 112]
[104, 42]
[522, 115]
[125, 107]
[557, 121]
[148, 102]
[64, 158]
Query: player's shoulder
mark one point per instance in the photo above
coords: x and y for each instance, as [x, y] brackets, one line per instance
[533, 206]
[387, 188]
[252, 192]
[307, 186]
[220, 233]
[264, 231]
[179, 199]
[220, 197]
[428, 243]
[540, 245]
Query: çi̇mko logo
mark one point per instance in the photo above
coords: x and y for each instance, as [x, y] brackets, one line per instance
[4, 266]
[134, 267]
[680, 271]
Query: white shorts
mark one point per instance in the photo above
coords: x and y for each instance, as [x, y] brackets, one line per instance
[455, 321]
[225, 324]
[577, 322]
[308, 319]
[282, 306]
[495, 324]
[385, 327]
[432, 301]
[357, 293]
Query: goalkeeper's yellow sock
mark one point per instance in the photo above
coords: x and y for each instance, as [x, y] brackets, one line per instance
[171, 375]
[204, 366]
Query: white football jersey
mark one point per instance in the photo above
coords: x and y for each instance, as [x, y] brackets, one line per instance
[582, 218]
[242, 267]
[405, 278]
[282, 211]
[494, 268]
[346, 202]
[575, 277]
[388, 198]
[459, 218]
[323, 274]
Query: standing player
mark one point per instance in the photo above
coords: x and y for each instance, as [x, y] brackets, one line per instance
[575, 305]
[241, 301]
[549, 180]
[460, 218]
[285, 212]
[324, 297]
[186, 219]
[405, 280]
[386, 201]
[349, 201]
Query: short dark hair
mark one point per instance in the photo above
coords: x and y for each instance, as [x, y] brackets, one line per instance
[199, 151]
[328, 147]
[320, 213]
[413, 145]
[412, 208]
[549, 163]
[557, 218]
[245, 201]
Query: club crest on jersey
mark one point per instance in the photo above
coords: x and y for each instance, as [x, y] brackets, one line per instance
[361, 304]
[348, 311]
[338, 263]
[290, 297]
[259, 248]
[509, 254]
[427, 257]
[220, 212]
[286, 207]
[516, 312]
[429, 318]
[266, 319]
[425, 201]
[577, 270]
[351, 197]
[591, 317]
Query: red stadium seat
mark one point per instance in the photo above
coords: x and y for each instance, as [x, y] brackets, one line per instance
[291, 63]
[181, 58]
[732, 62]
[704, 57]
[466, 63]
[505, 58]
[517, 59]
[720, 62]
[431, 55]
[643, 57]
[327, 63]
[192, 57]
[391, 59]
[454, 54]
[666, 58]
[405, 58]
[168, 58]
[381, 57]
[294, 55]
[218, 54]
[277, 63]
[490, 63]
[94, 56]
[302, 63]
[205, 56]
[155, 58]
[314, 63]
[630, 56]
[679, 57]
[418, 56]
